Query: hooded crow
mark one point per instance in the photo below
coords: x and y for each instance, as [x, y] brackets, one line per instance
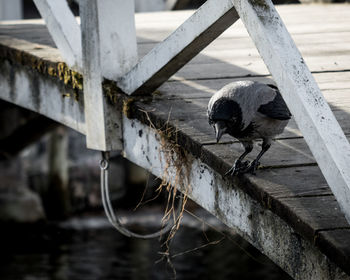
[248, 110]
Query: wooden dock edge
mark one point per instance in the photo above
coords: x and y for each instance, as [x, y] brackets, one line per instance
[261, 227]
[56, 97]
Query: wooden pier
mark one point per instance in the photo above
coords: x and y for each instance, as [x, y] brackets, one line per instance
[287, 210]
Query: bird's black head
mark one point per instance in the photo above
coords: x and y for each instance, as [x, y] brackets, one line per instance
[225, 116]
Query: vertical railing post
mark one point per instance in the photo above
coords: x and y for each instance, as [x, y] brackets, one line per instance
[109, 50]
[311, 111]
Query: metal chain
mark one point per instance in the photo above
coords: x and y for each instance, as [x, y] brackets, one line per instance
[110, 213]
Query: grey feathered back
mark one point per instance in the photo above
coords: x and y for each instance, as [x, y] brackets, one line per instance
[250, 95]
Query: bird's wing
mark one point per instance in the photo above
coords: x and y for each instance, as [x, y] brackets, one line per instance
[277, 108]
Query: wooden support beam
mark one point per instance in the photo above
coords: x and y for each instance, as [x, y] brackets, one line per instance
[299, 89]
[118, 47]
[206, 24]
[64, 29]
[109, 49]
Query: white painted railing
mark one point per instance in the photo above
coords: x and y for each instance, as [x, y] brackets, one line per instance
[312, 113]
[109, 50]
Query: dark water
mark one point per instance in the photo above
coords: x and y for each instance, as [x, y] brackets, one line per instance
[92, 250]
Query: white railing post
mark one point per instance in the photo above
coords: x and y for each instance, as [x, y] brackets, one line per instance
[109, 50]
[64, 30]
[313, 115]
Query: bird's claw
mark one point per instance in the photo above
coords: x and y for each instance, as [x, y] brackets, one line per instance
[253, 166]
[243, 167]
[237, 168]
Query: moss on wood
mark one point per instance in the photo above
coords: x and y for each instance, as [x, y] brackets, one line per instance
[128, 109]
[53, 69]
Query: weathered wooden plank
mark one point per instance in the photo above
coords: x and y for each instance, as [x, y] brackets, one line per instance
[245, 55]
[299, 20]
[206, 24]
[36, 30]
[261, 227]
[205, 88]
[186, 110]
[197, 127]
[216, 69]
[24, 48]
[117, 37]
[311, 213]
[336, 243]
[333, 85]
[300, 201]
[294, 14]
[64, 30]
[282, 195]
[186, 88]
[283, 153]
[293, 182]
[308, 44]
[300, 91]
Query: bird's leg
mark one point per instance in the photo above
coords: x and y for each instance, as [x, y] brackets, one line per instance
[239, 165]
[253, 166]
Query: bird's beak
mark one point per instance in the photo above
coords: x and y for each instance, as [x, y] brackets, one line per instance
[219, 131]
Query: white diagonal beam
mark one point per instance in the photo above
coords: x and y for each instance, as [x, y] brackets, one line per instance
[64, 29]
[303, 96]
[206, 24]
